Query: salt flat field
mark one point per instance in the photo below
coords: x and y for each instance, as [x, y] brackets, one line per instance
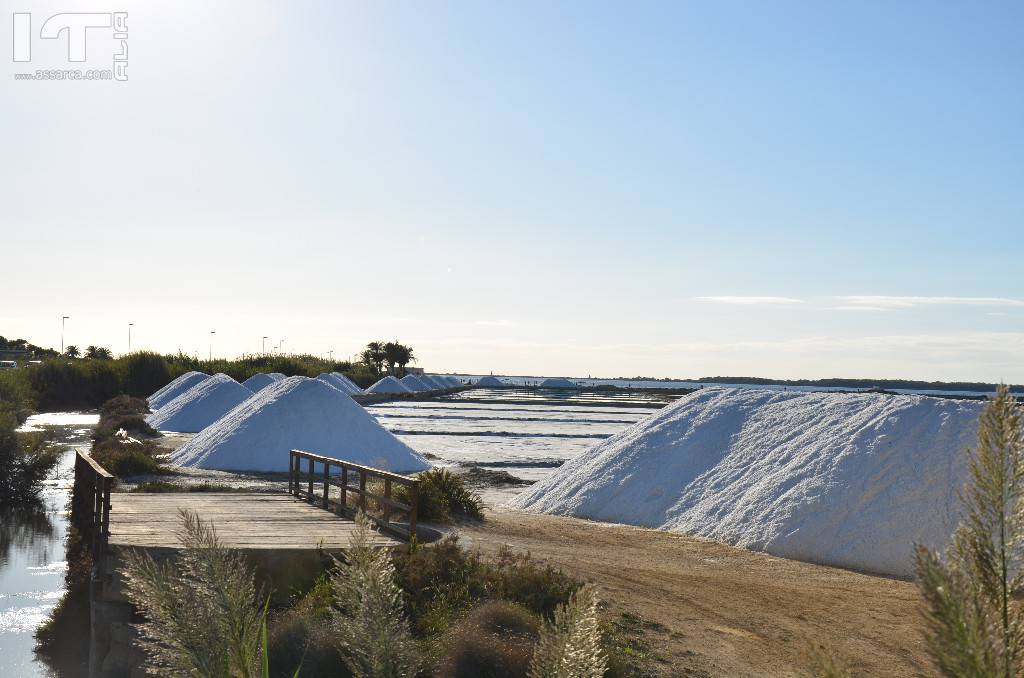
[526, 433]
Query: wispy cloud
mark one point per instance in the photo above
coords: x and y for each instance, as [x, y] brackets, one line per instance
[878, 302]
[751, 301]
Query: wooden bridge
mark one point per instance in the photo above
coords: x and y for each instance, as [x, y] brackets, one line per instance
[317, 512]
[284, 535]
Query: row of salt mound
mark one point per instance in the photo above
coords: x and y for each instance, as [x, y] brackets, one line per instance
[851, 480]
[415, 383]
[172, 390]
[200, 406]
[297, 413]
[438, 383]
[389, 385]
[261, 380]
[490, 382]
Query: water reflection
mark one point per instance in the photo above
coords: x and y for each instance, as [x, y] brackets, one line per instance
[29, 530]
[32, 561]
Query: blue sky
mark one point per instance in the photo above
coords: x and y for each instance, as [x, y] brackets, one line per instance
[671, 189]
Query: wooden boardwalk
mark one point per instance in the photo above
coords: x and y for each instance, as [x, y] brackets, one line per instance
[243, 521]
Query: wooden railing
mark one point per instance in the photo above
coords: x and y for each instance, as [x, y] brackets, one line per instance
[318, 476]
[91, 504]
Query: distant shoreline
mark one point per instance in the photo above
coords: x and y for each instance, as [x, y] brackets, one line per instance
[832, 382]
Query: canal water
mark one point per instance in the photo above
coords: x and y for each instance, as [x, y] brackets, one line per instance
[32, 561]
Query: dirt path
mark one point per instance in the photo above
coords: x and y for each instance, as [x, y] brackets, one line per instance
[726, 611]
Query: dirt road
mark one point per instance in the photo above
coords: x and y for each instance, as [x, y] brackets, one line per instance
[725, 611]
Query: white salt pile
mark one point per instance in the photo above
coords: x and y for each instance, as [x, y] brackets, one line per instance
[296, 413]
[452, 381]
[852, 480]
[389, 385]
[174, 389]
[414, 383]
[260, 381]
[557, 382]
[489, 382]
[438, 383]
[200, 406]
[353, 386]
[332, 380]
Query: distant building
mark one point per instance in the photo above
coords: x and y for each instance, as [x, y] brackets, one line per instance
[413, 370]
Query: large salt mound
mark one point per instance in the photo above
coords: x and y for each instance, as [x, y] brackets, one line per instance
[258, 382]
[389, 385]
[200, 406]
[557, 382]
[489, 381]
[852, 480]
[353, 386]
[414, 383]
[332, 380]
[174, 389]
[296, 413]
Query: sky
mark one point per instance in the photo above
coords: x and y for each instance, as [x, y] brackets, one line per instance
[678, 189]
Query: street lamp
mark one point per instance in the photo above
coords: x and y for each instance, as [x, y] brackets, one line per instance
[212, 332]
[62, 319]
[264, 346]
[280, 346]
[130, 337]
[331, 355]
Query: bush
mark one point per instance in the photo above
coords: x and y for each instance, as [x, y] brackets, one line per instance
[126, 458]
[496, 640]
[144, 373]
[443, 580]
[442, 496]
[124, 405]
[302, 636]
[25, 459]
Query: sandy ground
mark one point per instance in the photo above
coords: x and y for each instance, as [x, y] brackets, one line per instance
[724, 611]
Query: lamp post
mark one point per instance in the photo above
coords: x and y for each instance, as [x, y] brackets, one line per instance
[280, 346]
[62, 319]
[130, 337]
[330, 354]
[212, 332]
[264, 346]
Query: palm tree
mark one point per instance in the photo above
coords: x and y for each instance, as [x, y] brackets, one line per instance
[392, 352]
[405, 357]
[90, 351]
[103, 353]
[71, 351]
[373, 356]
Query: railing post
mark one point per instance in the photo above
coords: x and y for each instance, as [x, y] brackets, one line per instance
[414, 501]
[362, 491]
[291, 472]
[310, 478]
[344, 487]
[387, 496]
[327, 484]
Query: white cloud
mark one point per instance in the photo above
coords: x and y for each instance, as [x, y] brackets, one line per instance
[751, 301]
[885, 301]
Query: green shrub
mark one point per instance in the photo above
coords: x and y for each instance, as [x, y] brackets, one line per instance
[495, 640]
[442, 496]
[302, 635]
[124, 405]
[144, 373]
[133, 424]
[25, 460]
[126, 458]
[444, 580]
